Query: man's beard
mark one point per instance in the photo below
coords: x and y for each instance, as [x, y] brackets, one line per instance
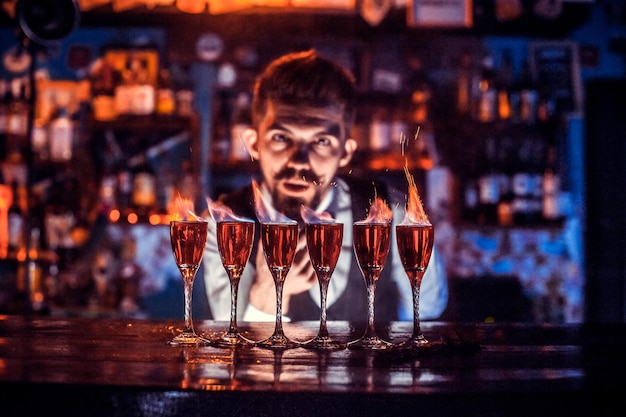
[291, 206]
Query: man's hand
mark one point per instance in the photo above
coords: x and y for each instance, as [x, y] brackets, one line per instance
[301, 277]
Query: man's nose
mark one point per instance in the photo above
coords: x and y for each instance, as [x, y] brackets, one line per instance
[301, 154]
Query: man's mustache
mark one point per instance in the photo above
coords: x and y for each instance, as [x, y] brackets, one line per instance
[304, 174]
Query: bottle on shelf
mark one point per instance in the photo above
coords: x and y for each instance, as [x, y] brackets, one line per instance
[61, 133]
[143, 91]
[464, 77]
[165, 104]
[4, 118]
[486, 100]
[470, 200]
[489, 185]
[17, 121]
[527, 182]
[504, 83]
[528, 96]
[16, 220]
[144, 193]
[34, 274]
[123, 91]
[103, 92]
[551, 189]
[124, 190]
[6, 198]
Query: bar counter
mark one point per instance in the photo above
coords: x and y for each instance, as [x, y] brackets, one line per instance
[124, 367]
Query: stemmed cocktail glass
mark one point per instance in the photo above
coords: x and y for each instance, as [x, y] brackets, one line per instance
[279, 241]
[415, 245]
[234, 242]
[188, 238]
[324, 241]
[371, 247]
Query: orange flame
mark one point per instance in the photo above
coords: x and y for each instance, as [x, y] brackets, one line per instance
[310, 216]
[221, 212]
[185, 209]
[415, 213]
[379, 212]
[264, 211]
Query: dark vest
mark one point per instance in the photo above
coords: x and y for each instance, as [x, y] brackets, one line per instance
[352, 304]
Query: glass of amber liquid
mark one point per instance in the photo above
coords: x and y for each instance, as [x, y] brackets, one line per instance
[234, 242]
[324, 245]
[371, 247]
[279, 240]
[415, 246]
[188, 238]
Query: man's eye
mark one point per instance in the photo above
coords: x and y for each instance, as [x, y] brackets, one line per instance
[323, 141]
[279, 138]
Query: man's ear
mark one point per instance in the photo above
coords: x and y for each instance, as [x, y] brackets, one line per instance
[348, 152]
[250, 139]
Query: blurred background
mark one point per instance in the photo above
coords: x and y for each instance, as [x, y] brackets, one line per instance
[110, 109]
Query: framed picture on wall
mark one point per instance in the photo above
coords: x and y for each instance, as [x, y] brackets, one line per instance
[438, 13]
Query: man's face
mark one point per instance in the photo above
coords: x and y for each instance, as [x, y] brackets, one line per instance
[299, 151]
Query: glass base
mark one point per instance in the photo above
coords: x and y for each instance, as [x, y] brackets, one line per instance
[231, 339]
[325, 343]
[188, 339]
[371, 342]
[419, 342]
[277, 342]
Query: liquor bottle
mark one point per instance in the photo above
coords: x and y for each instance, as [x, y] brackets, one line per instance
[165, 99]
[144, 195]
[61, 216]
[124, 189]
[16, 219]
[5, 201]
[504, 84]
[123, 91]
[528, 96]
[61, 136]
[464, 85]
[489, 186]
[103, 91]
[34, 274]
[527, 182]
[470, 200]
[17, 122]
[4, 118]
[143, 92]
[551, 188]
[486, 108]
[505, 162]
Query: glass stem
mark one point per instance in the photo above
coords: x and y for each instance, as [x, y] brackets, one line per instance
[278, 329]
[188, 277]
[416, 284]
[370, 331]
[234, 287]
[323, 332]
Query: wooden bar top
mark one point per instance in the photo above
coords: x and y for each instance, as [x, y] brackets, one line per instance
[117, 367]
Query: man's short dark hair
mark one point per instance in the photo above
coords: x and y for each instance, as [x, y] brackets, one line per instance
[305, 78]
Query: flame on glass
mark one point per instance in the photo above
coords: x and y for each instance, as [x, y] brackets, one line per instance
[379, 212]
[415, 213]
[264, 211]
[185, 209]
[221, 212]
[310, 216]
